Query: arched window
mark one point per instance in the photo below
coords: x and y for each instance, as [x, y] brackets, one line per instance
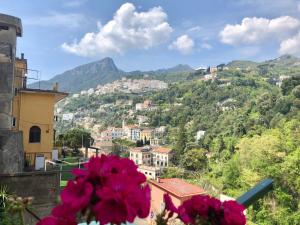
[35, 134]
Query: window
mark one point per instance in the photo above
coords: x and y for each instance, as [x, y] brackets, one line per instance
[4, 28]
[35, 134]
[14, 122]
[16, 91]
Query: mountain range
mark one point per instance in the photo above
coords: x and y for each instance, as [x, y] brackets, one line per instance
[98, 73]
[105, 71]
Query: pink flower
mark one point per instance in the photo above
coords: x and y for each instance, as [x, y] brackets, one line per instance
[50, 220]
[170, 205]
[99, 169]
[122, 201]
[61, 215]
[77, 194]
[110, 189]
[233, 213]
[200, 206]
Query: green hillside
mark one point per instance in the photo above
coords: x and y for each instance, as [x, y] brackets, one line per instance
[252, 132]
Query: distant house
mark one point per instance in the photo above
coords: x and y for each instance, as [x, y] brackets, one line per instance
[139, 106]
[161, 156]
[160, 131]
[200, 134]
[156, 141]
[103, 141]
[150, 172]
[141, 156]
[281, 79]
[151, 156]
[117, 132]
[178, 189]
[213, 69]
[146, 133]
[142, 119]
[146, 105]
[67, 116]
[135, 133]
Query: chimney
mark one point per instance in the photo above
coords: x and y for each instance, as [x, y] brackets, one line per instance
[158, 179]
[22, 55]
[55, 86]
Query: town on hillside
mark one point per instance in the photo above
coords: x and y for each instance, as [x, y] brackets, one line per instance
[103, 144]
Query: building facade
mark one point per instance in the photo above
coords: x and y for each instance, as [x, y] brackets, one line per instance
[29, 112]
[161, 156]
[150, 172]
[141, 156]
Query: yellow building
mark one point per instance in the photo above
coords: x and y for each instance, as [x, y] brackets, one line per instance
[147, 133]
[33, 114]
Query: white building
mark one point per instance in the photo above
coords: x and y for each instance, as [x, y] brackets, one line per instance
[139, 106]
[135, 134]
[142, 119]
[67, 116]
[200, 134]
[150, 172]
[161, 156]
[141, 156]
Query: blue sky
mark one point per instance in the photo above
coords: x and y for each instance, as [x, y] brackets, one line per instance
[145, 35]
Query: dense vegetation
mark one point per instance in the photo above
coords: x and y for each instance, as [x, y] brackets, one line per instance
[256, 135]
[252, 132]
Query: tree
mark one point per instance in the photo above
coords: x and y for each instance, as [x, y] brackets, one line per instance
[180, 144]
[116, 150]
[194, 159]
[296, 91]
[288, 84]
[76, 138]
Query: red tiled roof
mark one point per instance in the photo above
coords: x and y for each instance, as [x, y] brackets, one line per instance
[178, 187]
[140, 149]
[162, 150]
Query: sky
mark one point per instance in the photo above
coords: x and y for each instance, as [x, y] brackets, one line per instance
[153, 34]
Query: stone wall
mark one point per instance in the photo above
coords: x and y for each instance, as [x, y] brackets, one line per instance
[11, 152]
[44, 187]
[6, 94]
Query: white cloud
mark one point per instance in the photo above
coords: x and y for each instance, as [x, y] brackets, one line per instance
[256, 30]
[183, 44]
[194, 29]
[74, 3]
[291, 45]
[206, 46]
[67, 20]
[128, 29]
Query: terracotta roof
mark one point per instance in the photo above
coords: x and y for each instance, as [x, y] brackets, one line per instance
[178, 187]
[140, 149]
[162, 150]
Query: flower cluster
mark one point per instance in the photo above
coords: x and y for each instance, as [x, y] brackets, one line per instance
[109, 189]
[202, 209]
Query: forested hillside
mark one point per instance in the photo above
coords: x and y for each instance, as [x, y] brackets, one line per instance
[252, 132]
